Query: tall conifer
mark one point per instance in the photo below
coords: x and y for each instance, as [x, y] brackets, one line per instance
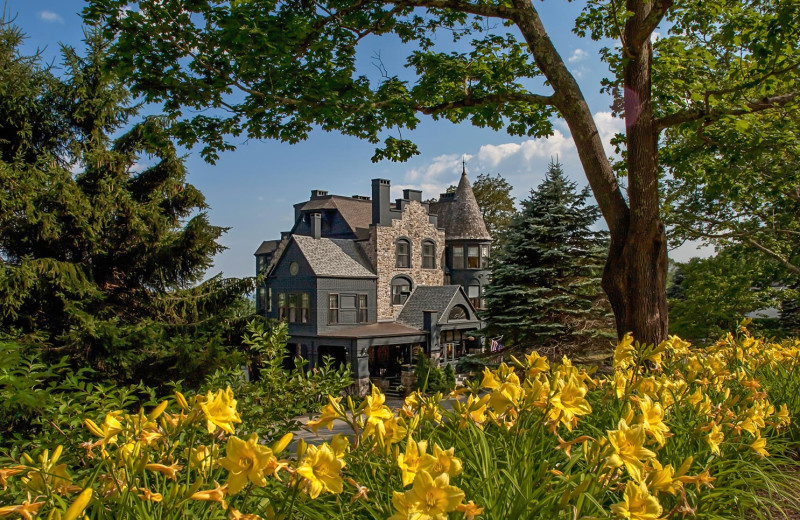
[545, 286]
[102, 239]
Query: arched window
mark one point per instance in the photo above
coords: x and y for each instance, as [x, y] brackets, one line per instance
[401, 288]
[458, 312]
[403, 253]
[428, 254]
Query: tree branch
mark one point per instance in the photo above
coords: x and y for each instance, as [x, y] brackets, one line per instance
[508, 97]
[491, 11]
[649, 24]
[787, 264]
[713, 114]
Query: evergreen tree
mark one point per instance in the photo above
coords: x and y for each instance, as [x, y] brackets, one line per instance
[545, 286]
[99, 256]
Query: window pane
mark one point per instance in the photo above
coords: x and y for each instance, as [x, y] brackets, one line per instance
[269, 299]
[402, 250]
[484, 257]
[363, 311]
[472, 257]
[428, 256]
[334, 301]
[458, 257]
[473, 291]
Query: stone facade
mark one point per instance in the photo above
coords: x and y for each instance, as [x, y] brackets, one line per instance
[415, 226]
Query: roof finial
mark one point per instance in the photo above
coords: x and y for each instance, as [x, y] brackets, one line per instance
[463, 165]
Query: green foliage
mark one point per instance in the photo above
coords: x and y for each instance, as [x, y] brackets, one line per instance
[493, 195]
[103, 242]
[432, 379]
[274, 396]
[545, 286]
[717, 292]
[45, 403]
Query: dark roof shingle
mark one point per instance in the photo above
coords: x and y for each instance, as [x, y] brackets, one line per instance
[334, 257]
[460, 215]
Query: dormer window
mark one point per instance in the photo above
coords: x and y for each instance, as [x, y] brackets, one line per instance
[403, 253]
[401, 288]
[428, 254]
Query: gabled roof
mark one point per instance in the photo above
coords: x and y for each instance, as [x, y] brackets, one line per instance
[460, 215]
[267, 246]
[357, 213]
[429, 298]
[334, 257]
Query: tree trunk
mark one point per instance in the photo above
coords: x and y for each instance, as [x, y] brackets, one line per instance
[635, 274]
[636, 271]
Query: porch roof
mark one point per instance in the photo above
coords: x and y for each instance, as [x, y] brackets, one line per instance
[375, 330]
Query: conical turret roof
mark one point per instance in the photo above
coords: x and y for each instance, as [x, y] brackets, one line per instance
[460, 215]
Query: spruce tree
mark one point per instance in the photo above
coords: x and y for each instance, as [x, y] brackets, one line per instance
[545, 286]
[100, 256]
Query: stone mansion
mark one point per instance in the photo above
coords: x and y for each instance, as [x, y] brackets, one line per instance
[375, 283]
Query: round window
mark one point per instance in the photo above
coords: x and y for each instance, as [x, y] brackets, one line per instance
[293, 268]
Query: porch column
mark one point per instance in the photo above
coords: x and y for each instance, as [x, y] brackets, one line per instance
[360, 368]
[429, 322]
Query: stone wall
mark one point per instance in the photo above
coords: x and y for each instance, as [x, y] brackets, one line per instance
[380, 249]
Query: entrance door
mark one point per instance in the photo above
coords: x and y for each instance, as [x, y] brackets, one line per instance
[387, 360]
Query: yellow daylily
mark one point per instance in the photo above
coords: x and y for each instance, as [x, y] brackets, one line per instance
[662, 479]
[623, 354]
[409, 462]
[220, 410]
[628, 449]
[10, 472]
[637, 504]
[245, 460]
[652, 419]
[329, 413]
[213, 495]
[715, 438]
[433, 498]
[441, 461]
[322, 469]
[569, 403]
[171, 471]
[26, 510]
[758, 445]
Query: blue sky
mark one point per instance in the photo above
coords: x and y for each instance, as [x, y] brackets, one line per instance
[252, 189]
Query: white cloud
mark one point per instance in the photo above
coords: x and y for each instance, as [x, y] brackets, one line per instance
[522, 163]
[50, 16]
[608, 126]
[577, 56]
